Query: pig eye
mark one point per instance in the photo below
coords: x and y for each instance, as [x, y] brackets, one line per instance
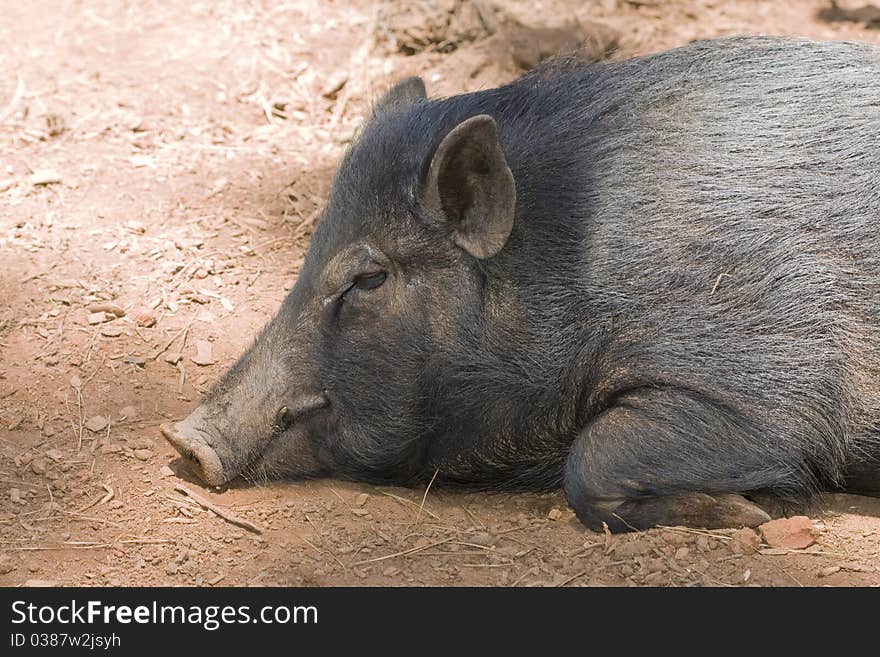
[364, 282]
[369, 281]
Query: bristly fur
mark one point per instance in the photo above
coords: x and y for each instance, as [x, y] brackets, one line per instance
[689, 300]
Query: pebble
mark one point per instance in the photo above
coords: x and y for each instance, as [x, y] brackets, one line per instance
[38, 466]
[794, 533]
[828, 571]
[143, 454]
[45, 177]
[184, 556]
[109, 308]
[633, 548]
[127, 412]
[361, 499]
[15, 496]
[204, 355]
[145, 317]
[681, 553]
[745, 541]
[360, 512]
[165, 471]
[6, 564]
[554, 514]
[110, 331]
[96, 423]
[41, 583]
[111, 448]
[391, 571]
[55, 455]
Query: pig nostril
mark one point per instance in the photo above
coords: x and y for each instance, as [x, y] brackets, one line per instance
[195, 460]
[190, 456]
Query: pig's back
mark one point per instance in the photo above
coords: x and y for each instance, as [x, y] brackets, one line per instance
[730, 221]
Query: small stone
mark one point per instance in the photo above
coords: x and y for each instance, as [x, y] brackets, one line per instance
[681, 553]
[143, 454]
[633, 548]
[109, 308]
[99, 318]
[55, 454]
[204, 354]
[361, 499]
[111, 448]
[6, 564]
[793, 533]
[360, 512]
[554, 514]
[116, 504]
[482, 538]
[145, 317]
[171, 569]
[127, 412]
[38, 466]
[391, 571]
[15, 496]
[134, 360]
[745, 541]
[110, 331]
[165, 471]
[45, 177]
[184, 556]
[216, 579]
[96, 423]
[41, 583]
[828, 571]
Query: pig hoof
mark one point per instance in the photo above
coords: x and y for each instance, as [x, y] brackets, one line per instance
[737, 511]
[721, 511]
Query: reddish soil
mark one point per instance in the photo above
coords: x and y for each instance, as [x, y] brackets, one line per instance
[168, 158]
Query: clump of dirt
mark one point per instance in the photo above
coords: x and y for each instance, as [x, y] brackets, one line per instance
[867, 14]
[486, 41]
[442, 25]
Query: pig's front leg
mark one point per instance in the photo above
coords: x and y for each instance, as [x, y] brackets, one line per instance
[662, 456]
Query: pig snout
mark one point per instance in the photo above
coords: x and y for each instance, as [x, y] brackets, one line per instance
[201, 457]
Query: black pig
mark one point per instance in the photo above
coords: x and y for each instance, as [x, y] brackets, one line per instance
[655, 283]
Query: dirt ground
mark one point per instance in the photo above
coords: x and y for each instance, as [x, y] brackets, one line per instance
[161, 167]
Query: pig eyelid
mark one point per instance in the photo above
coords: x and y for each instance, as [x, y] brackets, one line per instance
[370, 281]
[366, 281]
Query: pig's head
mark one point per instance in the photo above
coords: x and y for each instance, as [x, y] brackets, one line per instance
[342, 381]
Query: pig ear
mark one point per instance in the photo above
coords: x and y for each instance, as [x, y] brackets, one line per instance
[470, 183]
[401, 95]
